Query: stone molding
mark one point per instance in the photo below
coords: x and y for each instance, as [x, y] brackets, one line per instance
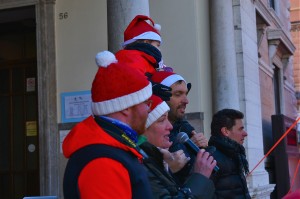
[46, 57]
[264, 12]
[261, 31]
[279, 34]
[195, 115]
[295, 26]
[262, 191]
[268, 14]
[6, 4]
[266, 68]
[289, 87]
[277, 62]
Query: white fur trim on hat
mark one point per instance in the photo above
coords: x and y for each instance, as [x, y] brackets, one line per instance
[146, 35]
[123, 102]
[172, 79]
[156, 113]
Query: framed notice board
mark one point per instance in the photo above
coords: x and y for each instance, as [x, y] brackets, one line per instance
[75, 106]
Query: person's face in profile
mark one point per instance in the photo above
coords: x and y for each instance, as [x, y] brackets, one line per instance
[154, 43]
[237, 132]
[138, 116]
[178, 101]
[158, 132]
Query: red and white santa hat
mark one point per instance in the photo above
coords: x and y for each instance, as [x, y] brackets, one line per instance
[166, 78]
[157, 109]
[140, 29]
[116, 86]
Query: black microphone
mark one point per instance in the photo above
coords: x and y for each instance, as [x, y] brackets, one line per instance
[183, 138]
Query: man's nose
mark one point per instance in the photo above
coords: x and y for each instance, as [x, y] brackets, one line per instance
[170, 126]
[185, 99]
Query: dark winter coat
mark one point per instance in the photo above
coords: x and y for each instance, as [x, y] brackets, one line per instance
[182, 126]
[230, 181]
[163, 184]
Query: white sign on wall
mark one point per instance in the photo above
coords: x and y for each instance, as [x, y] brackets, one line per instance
[75, 106]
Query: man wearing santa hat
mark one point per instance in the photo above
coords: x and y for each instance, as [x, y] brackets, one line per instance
[104, 161]
[177, 104]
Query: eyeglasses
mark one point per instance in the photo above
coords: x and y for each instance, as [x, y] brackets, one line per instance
[148, 103]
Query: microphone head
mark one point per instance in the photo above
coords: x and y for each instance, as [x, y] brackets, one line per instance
[182, 137]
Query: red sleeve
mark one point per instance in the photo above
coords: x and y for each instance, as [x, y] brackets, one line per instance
[138, 60]
[104, 178]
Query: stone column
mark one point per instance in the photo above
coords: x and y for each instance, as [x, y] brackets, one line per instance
[119, 15]
[224, 68]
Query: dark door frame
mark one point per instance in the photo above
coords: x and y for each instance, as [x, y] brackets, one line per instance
[47, 104]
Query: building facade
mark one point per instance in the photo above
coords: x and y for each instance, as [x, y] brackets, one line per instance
[295, 33]
[236, 53]
[295, 29]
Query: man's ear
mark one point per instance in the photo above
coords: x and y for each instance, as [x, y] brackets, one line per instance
[225, 131]
[126, 111]
[124, 115]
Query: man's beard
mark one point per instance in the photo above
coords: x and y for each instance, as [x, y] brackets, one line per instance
[176, 115]
[138, 124]
[140, 129]
[179, 115]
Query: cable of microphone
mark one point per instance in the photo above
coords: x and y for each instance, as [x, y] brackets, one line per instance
[183, 138]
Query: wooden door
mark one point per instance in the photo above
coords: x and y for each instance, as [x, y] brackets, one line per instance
[19, 145]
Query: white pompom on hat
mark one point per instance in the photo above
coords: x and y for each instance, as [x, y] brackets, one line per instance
[116, 86]
[138, 28]
[158, 108]
[105, 58]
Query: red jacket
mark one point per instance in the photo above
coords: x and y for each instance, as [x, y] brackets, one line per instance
[138, 60]
[292, 195]
[116, 181]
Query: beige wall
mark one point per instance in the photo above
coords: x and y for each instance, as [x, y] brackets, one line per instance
[77, 46]
[185, 46]
[185, 33]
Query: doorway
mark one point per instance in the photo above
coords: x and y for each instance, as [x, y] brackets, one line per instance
[19, 143]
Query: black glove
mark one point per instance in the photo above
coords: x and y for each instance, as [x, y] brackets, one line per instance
[149, 75]
[162, 91]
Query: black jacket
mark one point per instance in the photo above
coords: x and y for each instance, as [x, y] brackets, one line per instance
[182, 126]
[230, 181]
[163, 184]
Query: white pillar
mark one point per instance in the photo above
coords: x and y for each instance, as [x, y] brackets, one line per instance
[119, 15]
[224, 68]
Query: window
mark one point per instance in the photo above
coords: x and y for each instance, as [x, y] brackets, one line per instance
[272, 4]
[277, 92]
